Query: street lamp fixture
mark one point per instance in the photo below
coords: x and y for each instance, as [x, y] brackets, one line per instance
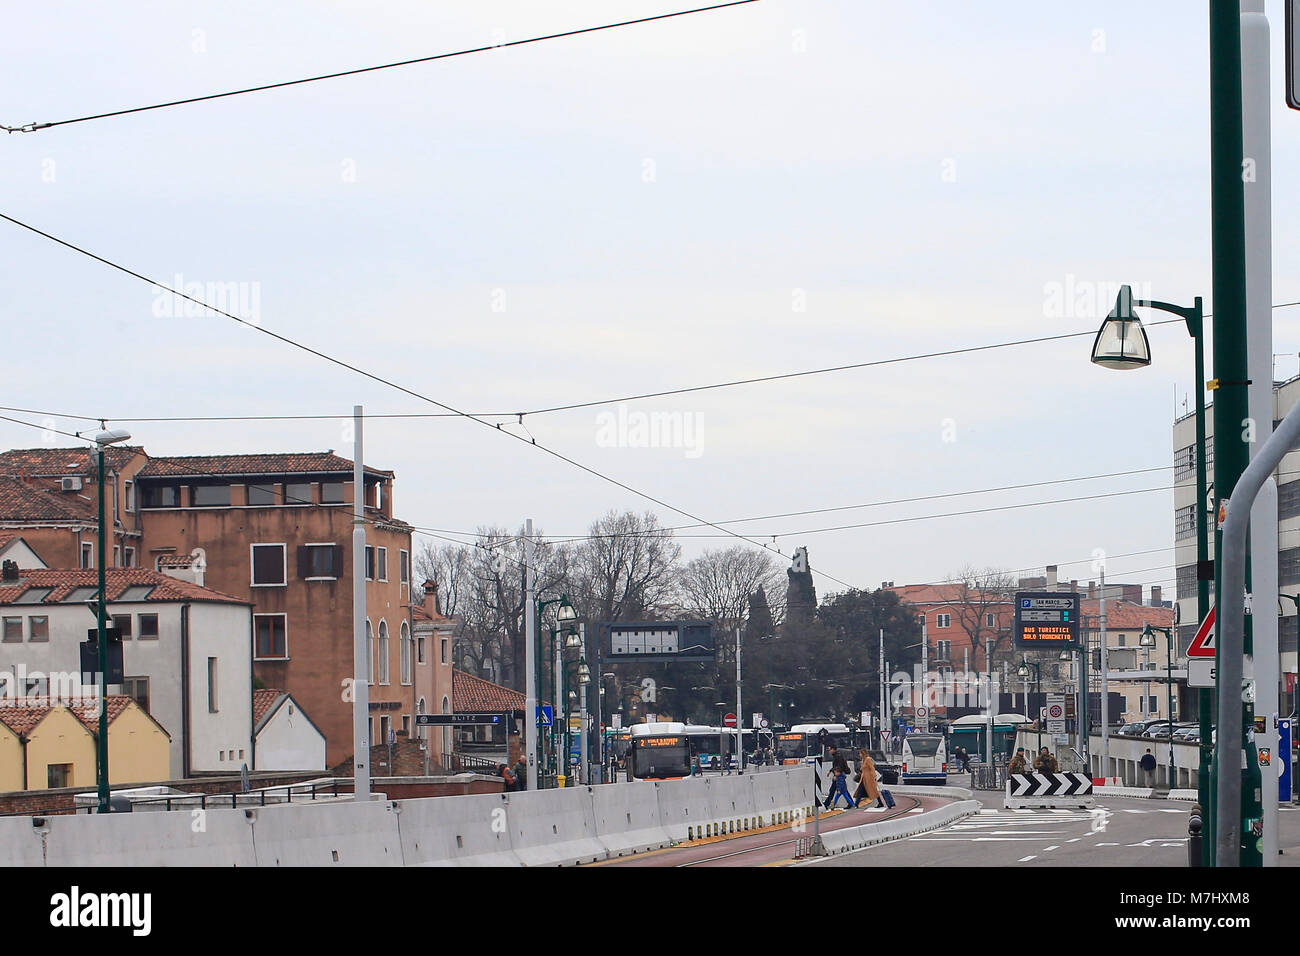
[1121, 342]
[1194, 319]
[1148, 639]
[565, 613]
[110, 436]
[584, 672]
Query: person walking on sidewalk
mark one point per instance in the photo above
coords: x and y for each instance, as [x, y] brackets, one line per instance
[839, 780]
[868, 786]
[1148, 764]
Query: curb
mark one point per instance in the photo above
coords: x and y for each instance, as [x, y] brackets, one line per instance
[1150, 793]
[886, 831]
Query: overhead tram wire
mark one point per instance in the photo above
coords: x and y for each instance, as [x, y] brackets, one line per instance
[579, 405]
[673, 529]
[441, 534]
[34, 127]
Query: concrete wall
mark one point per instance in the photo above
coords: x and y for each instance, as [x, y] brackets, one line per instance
[540, 828]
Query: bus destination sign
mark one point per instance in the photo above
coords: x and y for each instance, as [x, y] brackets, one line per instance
[1047, 619]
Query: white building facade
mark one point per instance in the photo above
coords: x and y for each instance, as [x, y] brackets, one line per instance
[187, 655]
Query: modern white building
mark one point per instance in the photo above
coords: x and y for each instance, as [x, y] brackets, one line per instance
[187, 654]
[1287, 476]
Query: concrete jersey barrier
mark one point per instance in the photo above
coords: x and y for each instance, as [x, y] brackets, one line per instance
[468, 830]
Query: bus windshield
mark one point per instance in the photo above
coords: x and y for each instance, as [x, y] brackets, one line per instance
[658, 757]
[791, 745]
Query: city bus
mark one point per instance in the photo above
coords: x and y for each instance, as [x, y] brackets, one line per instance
[801, 743]
[925, 759]
[658, 751]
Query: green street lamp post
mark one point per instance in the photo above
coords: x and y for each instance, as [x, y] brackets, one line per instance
[1023, 671]
[1124, 328]
[565, 614]
[1148, 639]
[107, 437]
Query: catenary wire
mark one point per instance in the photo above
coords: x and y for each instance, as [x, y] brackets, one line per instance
[33, 127]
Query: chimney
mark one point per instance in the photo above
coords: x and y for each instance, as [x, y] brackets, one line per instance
[1155, 595]
[9, 572]
[1074, 585]
[431, 596]
[1092, 589]
[1051, 577]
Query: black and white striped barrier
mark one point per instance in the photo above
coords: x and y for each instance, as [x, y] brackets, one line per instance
[1029, 790]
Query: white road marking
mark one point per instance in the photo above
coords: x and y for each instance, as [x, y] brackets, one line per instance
[1107, 844]
[1027, 859]
[1075, 840]
[1045, 849]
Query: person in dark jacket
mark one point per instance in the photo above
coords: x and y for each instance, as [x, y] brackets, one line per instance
[521, 774]
[839, 780]
[1148, 764]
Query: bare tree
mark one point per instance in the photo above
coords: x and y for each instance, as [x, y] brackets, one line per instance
[979, 595]
[719, 584]
[625, 570]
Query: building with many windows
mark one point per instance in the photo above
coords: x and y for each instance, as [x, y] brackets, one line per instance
[1287, 477]
[186, 655]
[272, 530]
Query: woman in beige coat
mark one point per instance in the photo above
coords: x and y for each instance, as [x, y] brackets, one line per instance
[868, 787]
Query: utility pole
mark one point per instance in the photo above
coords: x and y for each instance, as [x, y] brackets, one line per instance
[1238, 811]
[360, 650]
[530, 658]
[1105, 686]
[1257, 178]
[884, 705]
[740, 715]
[992, 701]
[925, 646]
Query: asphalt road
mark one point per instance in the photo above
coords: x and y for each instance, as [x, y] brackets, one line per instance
[774, 846]
[1130, 832]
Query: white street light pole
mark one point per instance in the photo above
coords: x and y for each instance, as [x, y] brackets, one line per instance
[530, 658]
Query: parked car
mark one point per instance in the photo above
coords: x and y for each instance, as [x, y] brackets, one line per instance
[1134, 728]
[1157, 728]
[1191, 733]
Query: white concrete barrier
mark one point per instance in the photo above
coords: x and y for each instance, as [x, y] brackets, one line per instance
[332, 834]
[179, 838]
[467, 830]
[685, 810]
[627, 818]
[554, 827]
[21, 843]
[731, 802]
[853, 838]
[771, 794]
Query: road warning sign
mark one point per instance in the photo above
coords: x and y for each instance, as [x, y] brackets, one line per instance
[1203, 643]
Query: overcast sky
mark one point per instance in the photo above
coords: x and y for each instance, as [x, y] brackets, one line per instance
[781, 186]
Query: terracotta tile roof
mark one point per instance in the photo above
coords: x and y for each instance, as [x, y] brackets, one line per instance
[63, 580]
[292, 463]
[47, 462]
[22, 714]
[20, 501]
[473, 694]
[263, 701]
[1125, 615]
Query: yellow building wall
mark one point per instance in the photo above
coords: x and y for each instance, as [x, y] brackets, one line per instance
[60, 738]
[11, 761]
[138, 749]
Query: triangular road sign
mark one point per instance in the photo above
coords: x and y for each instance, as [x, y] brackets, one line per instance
[1203, 643]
